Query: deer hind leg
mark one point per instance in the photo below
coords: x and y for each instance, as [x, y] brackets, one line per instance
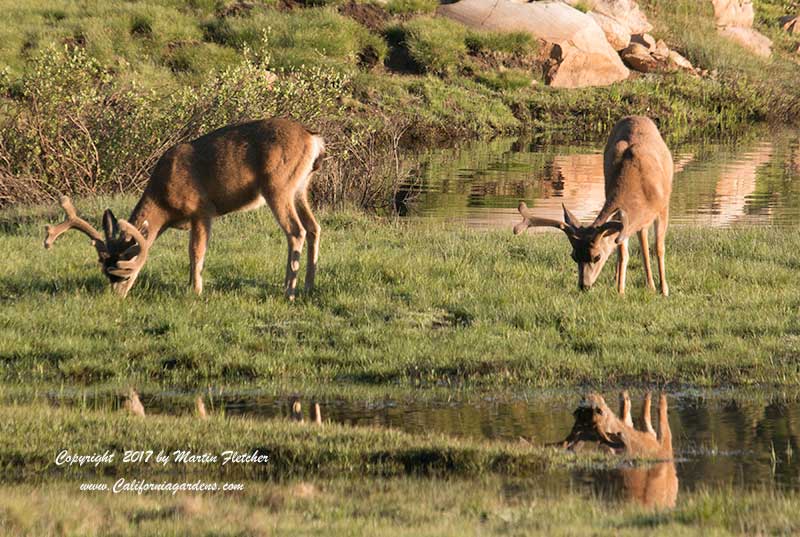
[646, 258]
[313, 235]
[648, 425]
[622, 266]
[199, 234]
[661, 235]
[286, 215]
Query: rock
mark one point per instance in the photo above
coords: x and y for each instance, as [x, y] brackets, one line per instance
[625, 12]
[734, 13]
[791, 24]
[580, 55]
[638, 58]
[734, 20]
[645, 40]
[662, 50]
[679, 61]
[750, 39]
[617, 35]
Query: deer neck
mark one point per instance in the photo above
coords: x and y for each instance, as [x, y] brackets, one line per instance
[147, 210]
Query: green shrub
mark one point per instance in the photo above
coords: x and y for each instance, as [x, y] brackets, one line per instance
[74, 128]
[436, 45]
[399, 7]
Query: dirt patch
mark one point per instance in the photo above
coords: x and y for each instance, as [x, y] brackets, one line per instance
[372, 16]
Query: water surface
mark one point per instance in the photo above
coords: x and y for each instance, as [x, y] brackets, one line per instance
[722, 440]
[752, 182]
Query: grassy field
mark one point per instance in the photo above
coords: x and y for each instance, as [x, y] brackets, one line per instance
[398, 305]
[391, 507]
[407, 485]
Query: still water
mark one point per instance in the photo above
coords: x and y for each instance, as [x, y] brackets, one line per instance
[720, 184]
[720, 439]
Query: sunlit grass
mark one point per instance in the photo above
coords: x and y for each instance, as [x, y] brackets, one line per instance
[398, 304]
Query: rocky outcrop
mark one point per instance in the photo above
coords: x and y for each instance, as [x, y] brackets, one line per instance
[638, 57]
[579, 52]
[617, 35]
[647, 55]
[755, 42]
[734, 13]
[734, 20]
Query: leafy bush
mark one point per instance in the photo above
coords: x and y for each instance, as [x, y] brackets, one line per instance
[72, 128]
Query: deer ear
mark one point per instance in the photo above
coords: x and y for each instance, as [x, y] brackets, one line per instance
[110, 227]
[570, 219]
[612, 226]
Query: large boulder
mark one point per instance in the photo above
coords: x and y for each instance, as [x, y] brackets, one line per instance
[755, 42]
[733, 13]
[625, 12]
[617, 35]
[734, 20]
[579, 53]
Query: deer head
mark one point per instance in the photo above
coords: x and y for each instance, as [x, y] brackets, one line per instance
[591, 245]
[122, 252]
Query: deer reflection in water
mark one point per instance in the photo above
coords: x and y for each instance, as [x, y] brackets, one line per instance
[597, 427]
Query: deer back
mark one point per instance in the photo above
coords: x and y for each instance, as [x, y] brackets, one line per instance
[638, 170]
[234, 168]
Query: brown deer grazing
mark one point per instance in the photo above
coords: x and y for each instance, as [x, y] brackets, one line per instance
[235, 168]
[596, 425]
[638, 171]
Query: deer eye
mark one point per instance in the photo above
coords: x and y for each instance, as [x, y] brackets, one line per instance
[595, 259]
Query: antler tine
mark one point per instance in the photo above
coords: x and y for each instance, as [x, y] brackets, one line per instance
[73, 221]
[528, 220]
[127, 267]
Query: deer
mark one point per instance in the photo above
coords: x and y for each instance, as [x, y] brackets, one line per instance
[654, 485]
[638, 169]
[238, 167]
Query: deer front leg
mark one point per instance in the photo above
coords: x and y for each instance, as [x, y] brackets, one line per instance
[646, 258]
[199, 235]
[625, 408]
[623, 266]
[661, 236]
[648, 424]
[664, 431]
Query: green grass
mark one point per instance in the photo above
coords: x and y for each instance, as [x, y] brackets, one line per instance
[391, 507]
[32, 435]
[397, 304]
[436, 45]
[464, 89]
[411, 6]
[332, 479]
